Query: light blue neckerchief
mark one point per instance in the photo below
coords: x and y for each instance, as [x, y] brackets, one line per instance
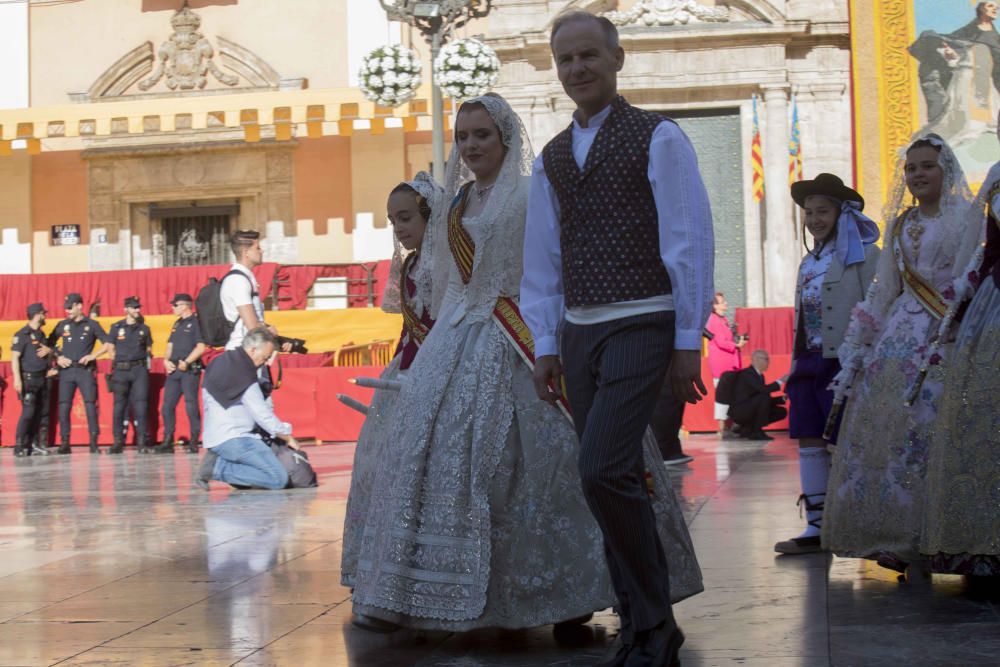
[855, 230]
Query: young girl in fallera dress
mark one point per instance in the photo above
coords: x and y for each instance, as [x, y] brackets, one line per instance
[410, 208]
[961, 532]
[875, 501]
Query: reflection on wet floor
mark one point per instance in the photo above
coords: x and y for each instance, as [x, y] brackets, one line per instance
[120, 561]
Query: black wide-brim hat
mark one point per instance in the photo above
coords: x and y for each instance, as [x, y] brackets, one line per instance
[827, 185]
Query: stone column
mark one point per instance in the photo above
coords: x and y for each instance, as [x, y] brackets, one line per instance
[780, 249]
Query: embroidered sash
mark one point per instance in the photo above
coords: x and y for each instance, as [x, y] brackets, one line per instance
[919, 287]
[416, 329]
[506, 312]
[463, 248]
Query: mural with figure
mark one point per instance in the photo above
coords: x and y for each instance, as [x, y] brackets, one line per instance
[957, 50]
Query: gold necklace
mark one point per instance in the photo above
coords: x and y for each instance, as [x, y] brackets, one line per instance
[915, 230]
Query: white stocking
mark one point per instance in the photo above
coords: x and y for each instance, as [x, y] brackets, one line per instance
[814, 471]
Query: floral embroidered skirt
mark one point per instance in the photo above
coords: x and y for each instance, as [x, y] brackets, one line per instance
[962, 521]
[875, 497]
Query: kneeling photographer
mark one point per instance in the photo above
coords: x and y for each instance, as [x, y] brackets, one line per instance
[234, 406]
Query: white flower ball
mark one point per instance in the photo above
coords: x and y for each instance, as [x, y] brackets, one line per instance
[375, 81]
[389, 78]
[468, 64]
[455, 60]
[472, 47]
[388, 64]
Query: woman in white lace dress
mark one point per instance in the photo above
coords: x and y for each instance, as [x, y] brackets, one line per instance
[410, 209]
[874, 501]
[478, 518]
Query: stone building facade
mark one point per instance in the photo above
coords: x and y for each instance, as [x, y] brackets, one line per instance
[701, 63]
[143, 114]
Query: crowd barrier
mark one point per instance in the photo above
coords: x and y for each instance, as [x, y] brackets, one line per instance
[308, 396]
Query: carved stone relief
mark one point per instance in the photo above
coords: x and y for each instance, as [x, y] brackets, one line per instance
[186, 57]
[668, 12]
[186, 62]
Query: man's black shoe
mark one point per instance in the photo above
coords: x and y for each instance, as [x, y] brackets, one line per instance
[116, 448]
[206, 469]
[759, 436]
[63, 448]
[618, 659]
[661, 649]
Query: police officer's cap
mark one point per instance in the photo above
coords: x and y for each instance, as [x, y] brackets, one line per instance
[73, 298]
[132, 302]
[180, 297]
[34, 309]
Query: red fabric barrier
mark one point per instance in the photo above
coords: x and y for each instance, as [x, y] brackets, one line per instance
[769, 328]
[154, 287]
[307, 399]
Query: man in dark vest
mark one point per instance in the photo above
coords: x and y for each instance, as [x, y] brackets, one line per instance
[619, 244]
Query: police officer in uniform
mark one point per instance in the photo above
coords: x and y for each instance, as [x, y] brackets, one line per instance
[31, 360]
[183, 363]
[75, 338]
[130, 342]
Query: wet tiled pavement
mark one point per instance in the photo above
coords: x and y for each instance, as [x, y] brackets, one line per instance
[121, 561]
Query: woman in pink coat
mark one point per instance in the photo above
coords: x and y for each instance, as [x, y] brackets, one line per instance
[723, 354]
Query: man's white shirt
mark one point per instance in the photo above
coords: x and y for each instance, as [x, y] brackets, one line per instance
[236, 292]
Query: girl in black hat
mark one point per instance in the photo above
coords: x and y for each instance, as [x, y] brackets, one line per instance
[833, 277]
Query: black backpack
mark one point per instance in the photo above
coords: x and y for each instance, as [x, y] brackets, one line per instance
[215, 328]
[727, 385]
[300, 472]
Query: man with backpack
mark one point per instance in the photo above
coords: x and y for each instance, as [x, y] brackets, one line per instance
[239, 291]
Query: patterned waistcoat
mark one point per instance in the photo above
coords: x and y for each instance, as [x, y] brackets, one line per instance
[609, 232]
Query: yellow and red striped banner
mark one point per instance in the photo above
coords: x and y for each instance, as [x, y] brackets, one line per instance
[756, 158]
[795, 147]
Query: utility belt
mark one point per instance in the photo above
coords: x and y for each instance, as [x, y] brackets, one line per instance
[193, 367]
[32, 375]
[77, 364]
[128, 365]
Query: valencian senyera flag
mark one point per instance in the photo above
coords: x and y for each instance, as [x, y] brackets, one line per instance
[795, 147]
[756, 158]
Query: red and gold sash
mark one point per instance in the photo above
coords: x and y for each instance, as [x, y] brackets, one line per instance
[411, 320]
[463, 248]
[919, 287]
[506, 312]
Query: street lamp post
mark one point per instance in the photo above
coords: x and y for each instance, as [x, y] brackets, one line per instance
[435, 19]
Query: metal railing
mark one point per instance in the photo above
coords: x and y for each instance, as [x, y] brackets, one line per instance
[376, 353]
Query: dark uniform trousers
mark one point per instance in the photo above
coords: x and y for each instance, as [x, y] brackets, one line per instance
[69, 380]
[34, 420]
[181, 382]
[614, 371]
[131, 388]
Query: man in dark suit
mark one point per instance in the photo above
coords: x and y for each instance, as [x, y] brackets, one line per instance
[753, 407]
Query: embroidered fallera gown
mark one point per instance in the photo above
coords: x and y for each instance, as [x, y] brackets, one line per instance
[875, 497]
[373, 445]
[962, 520]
